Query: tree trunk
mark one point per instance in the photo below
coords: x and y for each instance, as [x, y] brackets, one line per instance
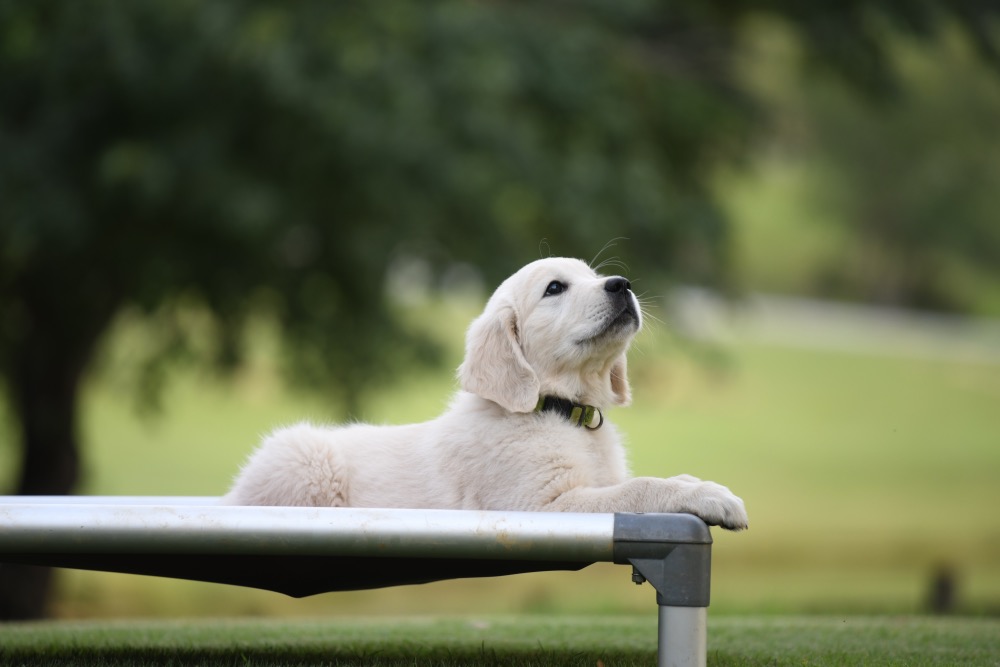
[44, 388]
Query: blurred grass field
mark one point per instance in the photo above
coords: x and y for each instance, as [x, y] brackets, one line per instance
[522, 640]
[862, 474]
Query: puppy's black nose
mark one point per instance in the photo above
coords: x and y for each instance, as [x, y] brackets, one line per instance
[617, 285]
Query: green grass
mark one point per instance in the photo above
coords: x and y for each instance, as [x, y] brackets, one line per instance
[492, 640]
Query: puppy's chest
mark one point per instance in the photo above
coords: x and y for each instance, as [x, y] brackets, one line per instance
[599, 451]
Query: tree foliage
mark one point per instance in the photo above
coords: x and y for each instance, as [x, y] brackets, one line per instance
[249, 150]
[913, 180]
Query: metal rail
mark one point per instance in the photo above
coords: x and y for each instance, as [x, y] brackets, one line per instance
[390, 533]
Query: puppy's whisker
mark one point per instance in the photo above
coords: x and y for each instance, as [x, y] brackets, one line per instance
[646, 305]
[607, 246]
[544, 250]
[648, 319]
[613, 262]
[647, 316]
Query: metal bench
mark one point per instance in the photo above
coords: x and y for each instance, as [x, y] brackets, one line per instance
[304, 551]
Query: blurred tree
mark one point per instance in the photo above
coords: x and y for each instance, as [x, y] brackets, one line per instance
[914, 179]
[234, 154]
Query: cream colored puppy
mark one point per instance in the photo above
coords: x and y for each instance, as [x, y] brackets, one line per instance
[528, 431]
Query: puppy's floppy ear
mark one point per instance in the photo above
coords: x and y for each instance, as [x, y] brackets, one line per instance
[619, 381]
[494, 366]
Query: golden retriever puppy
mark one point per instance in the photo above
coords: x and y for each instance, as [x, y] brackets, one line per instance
[528, 431]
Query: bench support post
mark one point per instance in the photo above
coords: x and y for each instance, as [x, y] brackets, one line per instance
[682, 636]
[677, 561]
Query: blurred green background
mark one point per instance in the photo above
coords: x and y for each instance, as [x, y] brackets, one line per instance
[215, 219]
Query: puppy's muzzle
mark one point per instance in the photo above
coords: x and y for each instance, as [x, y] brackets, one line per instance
[623, 315]
[620, 292]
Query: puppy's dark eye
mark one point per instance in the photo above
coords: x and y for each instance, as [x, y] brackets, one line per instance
[555, 287]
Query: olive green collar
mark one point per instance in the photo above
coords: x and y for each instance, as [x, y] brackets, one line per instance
[579, 415]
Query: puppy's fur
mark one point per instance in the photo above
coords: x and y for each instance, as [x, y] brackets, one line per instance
[554, 328]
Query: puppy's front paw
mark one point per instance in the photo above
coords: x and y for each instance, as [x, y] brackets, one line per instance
[714, 504]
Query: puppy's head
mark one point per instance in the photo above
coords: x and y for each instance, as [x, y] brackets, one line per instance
[554, 328]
